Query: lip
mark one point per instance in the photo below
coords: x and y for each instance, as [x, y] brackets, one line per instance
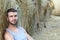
[13, 21]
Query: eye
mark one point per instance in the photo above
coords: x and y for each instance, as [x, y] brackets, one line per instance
[15, 16]
[11, 16]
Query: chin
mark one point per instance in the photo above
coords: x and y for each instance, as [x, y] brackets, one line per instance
[13, 23]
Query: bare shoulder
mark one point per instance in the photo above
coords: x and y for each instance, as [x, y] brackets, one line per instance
[8, 36]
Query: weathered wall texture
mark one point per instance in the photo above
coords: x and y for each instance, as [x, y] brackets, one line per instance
[56, 11]
[30, 13]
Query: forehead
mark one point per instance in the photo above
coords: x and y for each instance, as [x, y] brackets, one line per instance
[12, 13]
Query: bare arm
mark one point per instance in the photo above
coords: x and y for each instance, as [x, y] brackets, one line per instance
[7, 36]
[28, 36]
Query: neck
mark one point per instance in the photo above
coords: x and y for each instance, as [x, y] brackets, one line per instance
[12, 26]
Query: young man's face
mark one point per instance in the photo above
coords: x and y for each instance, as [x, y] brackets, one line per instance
[12, 18]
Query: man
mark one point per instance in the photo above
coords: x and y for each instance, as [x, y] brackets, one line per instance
[13, 32]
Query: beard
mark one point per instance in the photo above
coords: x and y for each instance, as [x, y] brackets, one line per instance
[16, 23]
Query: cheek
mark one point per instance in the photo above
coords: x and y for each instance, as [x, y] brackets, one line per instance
[16, 18]
[9, 19]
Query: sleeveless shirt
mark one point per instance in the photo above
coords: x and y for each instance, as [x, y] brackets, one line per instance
[20, 35]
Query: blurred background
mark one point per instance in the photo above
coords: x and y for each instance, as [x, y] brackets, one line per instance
[40, 18]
